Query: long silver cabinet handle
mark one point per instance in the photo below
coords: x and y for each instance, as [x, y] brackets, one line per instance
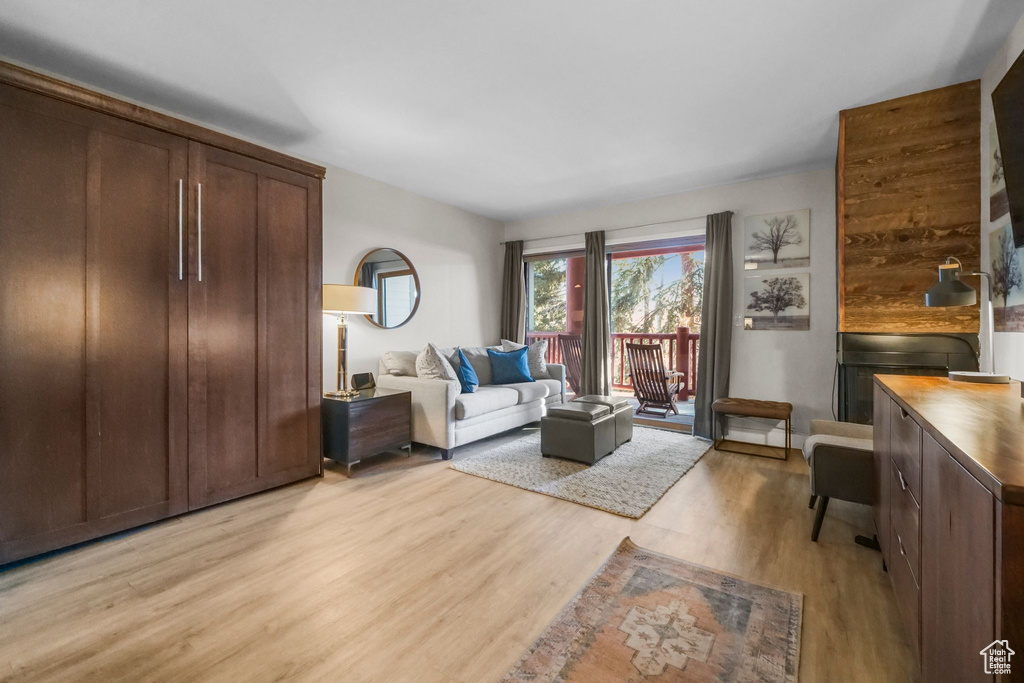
[181, 239]
[199, 224]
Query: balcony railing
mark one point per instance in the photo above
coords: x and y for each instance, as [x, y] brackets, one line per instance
[679, 349]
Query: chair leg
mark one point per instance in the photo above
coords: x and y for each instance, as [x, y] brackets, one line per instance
[818, 518]
[814, 499]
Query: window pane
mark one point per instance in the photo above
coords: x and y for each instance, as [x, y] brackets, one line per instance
[546, 285]
[657, 294]
[399, 297]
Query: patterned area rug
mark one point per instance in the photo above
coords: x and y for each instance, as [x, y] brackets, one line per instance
[649, 617]
[627, 482]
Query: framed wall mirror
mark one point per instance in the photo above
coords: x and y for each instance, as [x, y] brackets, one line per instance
[397, 283]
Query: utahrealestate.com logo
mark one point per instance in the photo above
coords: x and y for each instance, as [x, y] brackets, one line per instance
[997, 657]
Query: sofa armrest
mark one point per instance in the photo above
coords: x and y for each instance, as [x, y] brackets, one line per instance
[557, 371]
[433, 407]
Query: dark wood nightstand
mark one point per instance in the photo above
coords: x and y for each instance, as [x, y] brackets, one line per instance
[375, 421]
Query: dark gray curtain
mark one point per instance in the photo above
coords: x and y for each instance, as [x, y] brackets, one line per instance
[596, 375]
[715, 322]
[513, 294]
[368, 275]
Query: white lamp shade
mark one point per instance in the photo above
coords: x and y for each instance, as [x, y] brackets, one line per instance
[350, 299]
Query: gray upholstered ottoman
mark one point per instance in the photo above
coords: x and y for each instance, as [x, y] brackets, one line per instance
[621, 411]
[584, 432]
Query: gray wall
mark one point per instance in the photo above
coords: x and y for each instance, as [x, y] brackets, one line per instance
[785, 366]
[455, 252]
[1009, 346]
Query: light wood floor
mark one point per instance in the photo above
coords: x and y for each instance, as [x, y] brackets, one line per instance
[411, 571]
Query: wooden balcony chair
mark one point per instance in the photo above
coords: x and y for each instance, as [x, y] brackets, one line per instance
[653, 385]
[572, 356]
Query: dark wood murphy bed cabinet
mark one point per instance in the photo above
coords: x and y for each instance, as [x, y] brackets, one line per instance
[131, 390]
[949, 512]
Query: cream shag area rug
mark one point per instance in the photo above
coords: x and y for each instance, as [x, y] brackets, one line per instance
[627, 482]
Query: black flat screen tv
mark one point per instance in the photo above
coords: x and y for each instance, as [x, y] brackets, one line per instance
[1008, 102]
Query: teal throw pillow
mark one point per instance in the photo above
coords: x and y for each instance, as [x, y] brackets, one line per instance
[465, 373]
[509, 367]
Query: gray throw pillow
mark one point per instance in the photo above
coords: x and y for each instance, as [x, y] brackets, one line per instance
[431, 364]
[535, 357]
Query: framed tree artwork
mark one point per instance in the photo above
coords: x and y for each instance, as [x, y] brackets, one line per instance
[1007, 269]
[777, 302]
[777, 240]
[998, 203]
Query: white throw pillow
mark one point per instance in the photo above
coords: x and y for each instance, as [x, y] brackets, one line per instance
[431, 364]
[535, 357]
[399, 363]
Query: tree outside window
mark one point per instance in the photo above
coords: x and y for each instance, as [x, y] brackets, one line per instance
[546, 310]
[657, 294]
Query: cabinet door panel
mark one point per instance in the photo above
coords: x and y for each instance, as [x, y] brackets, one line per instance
[42, 333]
[223, 324]
[137, 328]
[254, 411]
[93, 340]
[285, 409]
[957, 569]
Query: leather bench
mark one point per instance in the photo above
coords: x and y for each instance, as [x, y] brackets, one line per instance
[749, 407]
[584, 432]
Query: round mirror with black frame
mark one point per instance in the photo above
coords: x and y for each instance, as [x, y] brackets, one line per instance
[397, 283]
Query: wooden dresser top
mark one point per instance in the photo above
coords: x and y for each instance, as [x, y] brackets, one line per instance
[981, 425]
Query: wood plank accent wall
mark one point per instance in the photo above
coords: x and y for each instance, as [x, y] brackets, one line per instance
[908, 174]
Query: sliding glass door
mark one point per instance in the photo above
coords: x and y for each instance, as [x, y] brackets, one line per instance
[655, 291]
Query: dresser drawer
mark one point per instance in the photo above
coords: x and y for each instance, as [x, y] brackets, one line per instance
[908, 593]
[906, 519]
[905, 445]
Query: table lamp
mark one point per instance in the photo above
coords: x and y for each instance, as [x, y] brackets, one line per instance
[951, 291]
[341, 300]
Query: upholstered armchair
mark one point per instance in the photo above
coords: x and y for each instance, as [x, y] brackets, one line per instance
[840, 457]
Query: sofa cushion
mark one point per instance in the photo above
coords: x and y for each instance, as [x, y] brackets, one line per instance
[477, 356]
[529, 391]
[554, 387]
[486, 399]
[497, 415]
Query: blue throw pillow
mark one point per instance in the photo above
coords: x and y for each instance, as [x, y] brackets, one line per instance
[465, 372]
[509, 367]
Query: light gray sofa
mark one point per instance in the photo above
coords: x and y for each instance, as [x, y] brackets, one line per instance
[444, 417]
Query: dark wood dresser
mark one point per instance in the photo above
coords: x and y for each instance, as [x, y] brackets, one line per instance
[375, 421]
[949, 511]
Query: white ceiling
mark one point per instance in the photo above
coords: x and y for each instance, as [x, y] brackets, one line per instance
[517, 108]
